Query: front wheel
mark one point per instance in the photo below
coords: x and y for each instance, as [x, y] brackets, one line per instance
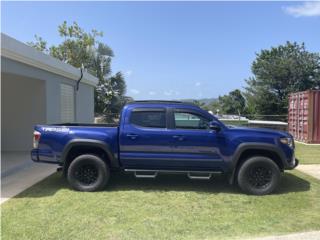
[88, 173]
[258, 175]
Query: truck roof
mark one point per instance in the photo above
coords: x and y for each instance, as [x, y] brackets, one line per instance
[161, 102]
[164, 103]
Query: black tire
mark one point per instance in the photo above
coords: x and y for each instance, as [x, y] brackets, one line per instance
[88, 173]
[258, 175]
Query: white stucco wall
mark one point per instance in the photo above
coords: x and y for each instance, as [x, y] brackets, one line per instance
[84, 97]
[31, 96]
[85, 104]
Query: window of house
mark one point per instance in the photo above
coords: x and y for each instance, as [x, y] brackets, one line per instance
[67, 103]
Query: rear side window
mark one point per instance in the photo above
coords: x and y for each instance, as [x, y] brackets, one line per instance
[152, 119]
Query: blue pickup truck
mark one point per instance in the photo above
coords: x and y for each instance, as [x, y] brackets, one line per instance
[156, 137]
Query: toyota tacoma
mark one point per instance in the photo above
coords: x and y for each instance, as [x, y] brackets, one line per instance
[156, 137]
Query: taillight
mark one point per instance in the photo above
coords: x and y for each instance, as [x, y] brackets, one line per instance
[36, 139]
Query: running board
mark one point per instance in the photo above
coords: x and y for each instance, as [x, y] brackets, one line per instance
[196, 175]
[145, 174]
[199, 176]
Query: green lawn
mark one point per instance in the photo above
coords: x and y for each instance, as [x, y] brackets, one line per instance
[308, 154]
[170, 207]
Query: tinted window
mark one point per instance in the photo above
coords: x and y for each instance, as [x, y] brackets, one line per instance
[154, 119]
[190, 121]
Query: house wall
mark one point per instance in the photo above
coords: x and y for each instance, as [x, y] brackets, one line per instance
[85, 104]
[84, 97]
[32, 96]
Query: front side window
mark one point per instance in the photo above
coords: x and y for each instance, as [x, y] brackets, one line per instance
[152, 119]
[186, 120]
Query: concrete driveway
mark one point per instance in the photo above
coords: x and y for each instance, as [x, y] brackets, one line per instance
[311, 169]
[18, 173]
[314, 235]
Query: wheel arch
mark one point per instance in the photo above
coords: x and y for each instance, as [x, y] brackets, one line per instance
[245, 151]
[78, 147]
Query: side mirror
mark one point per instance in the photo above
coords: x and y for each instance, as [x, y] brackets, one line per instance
[214, 126]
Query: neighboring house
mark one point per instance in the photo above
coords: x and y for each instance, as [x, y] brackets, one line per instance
[39, 89]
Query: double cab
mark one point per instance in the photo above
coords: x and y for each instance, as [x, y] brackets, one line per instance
[159, 137]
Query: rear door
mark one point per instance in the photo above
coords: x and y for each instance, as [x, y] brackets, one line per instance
[195, 147]
[145, 142]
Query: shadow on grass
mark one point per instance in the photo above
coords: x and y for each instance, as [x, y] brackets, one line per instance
[169, 182]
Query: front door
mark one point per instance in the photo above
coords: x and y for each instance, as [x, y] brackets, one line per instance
[195, 147]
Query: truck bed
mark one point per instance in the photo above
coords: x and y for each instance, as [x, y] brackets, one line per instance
[86, 124]
[55, 138]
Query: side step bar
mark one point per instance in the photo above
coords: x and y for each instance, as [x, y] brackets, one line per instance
[145, 174]
[199, 176]
[195, 175]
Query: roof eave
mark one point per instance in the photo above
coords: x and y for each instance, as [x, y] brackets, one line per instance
[18, 51]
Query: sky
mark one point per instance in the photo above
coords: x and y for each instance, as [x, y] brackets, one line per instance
[175, 50]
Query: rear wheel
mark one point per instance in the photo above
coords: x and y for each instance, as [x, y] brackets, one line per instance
[258, 175]
[88, 173]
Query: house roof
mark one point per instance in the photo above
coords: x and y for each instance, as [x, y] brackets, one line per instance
[18, 51]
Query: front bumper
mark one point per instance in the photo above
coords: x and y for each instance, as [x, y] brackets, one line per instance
[294, 163]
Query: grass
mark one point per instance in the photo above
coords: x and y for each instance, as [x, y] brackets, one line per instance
[169, 207]
[308, 154]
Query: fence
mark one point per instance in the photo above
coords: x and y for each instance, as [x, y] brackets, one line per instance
[281, 118]
[277, 122]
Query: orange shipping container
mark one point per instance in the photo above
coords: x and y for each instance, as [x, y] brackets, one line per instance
[304, 116]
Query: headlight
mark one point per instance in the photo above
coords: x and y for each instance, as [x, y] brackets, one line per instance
[287, 141]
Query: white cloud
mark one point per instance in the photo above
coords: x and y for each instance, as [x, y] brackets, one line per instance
[128, 73]
[307, 9]
[167, 93]
[197, 84]
[171, 92]
[134, 91]
[152, 93]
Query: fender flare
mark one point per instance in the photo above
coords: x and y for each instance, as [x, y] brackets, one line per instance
[272, 148]
[92, 143]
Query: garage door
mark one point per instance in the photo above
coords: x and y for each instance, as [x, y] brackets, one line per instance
[21, 110]
[67, 103]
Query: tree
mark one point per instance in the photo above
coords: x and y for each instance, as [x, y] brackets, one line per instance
[39, 44]
[83, 50]
[214, 107]
[278, 72]
[114, 89]
[232, 103]
[199, 103]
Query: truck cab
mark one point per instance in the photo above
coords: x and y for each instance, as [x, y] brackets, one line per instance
[170, 136]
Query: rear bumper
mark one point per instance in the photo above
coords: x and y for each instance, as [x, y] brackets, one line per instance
[35, 156]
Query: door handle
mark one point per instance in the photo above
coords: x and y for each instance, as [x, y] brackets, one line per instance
[178, 137]
[132, 136]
